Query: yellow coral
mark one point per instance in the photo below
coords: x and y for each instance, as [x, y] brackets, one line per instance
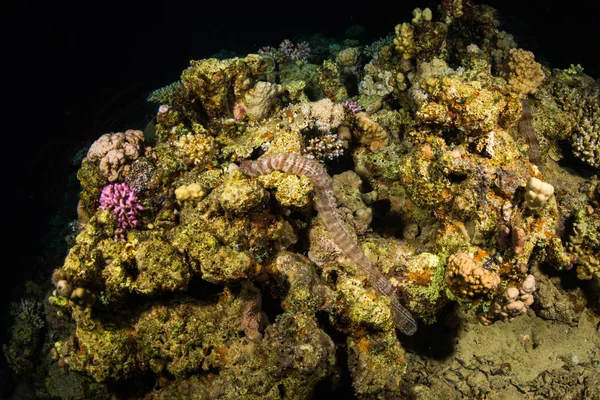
[190, 192]
[292, 191]
[524, 74]
[195, 149]
[405, 40]
[465, 278]
[421, 15]
[261, 99]
[446, 97]
[371, 133]
[348, 57]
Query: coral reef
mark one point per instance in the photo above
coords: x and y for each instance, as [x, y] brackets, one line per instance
[325, 205]
[301, 212]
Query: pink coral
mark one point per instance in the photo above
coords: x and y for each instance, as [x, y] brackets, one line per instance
[352, 106]
[122, 200]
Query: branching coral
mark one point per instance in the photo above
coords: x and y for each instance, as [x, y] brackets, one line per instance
[166, 94]
[575, 96]
[288, 51]
[121, 199]
[584, 245]
[586, 138]
[325, 148]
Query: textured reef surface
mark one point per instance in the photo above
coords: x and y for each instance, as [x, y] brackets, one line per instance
[415, 218]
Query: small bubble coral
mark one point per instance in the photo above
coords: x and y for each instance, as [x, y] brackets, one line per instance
[122, 200]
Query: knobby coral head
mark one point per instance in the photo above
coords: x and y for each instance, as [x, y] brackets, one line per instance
[122, 200]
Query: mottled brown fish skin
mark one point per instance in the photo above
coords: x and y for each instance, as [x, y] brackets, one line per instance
[526, 130]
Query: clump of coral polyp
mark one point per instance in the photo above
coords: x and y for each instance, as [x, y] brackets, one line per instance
[122, 200]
